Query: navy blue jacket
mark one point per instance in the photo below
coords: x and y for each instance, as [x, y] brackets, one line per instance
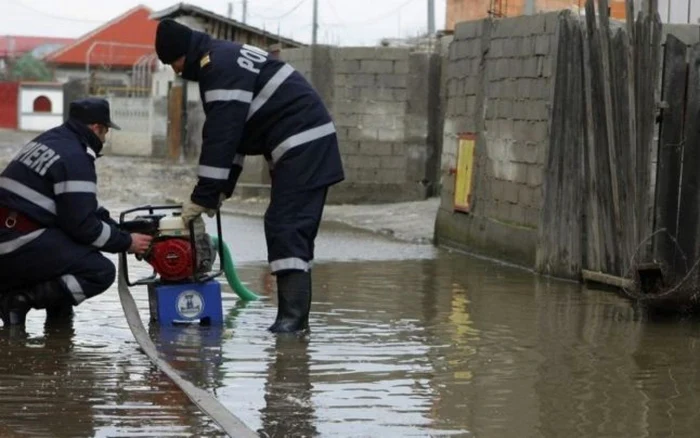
[257, 105]
[52, 180]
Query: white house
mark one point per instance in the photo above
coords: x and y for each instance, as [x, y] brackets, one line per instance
[40, 105]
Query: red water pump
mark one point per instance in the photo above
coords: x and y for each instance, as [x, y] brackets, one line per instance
[178, 253]
[171, 258]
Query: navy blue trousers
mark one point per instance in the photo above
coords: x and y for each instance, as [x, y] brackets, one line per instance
[291, 225]
[82, 271]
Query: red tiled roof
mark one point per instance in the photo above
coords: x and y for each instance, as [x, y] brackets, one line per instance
[117, 43]
[18, 45]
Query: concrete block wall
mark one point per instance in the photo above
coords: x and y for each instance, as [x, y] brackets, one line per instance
[379, 98]
[498, 86]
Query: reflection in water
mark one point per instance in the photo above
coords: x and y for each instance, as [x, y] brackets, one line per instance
[402, 345]
[59, 384]
[288, 410]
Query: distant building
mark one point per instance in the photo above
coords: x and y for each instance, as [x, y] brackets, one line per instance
[13, 47]
[112, 53]
[225, 28]
[468, 10]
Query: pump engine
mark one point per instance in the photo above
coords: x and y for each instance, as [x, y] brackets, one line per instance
[172, 254]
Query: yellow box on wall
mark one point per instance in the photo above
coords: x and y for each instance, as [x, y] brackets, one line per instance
[464, 173]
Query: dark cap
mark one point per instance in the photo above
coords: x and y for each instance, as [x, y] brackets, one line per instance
[172, 40]
[91, 110]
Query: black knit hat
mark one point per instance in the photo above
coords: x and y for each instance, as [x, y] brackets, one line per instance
[172, 40]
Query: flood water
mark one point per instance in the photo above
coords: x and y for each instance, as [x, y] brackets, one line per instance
[406, 341]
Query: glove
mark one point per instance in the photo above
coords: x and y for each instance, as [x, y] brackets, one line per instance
[191, 211]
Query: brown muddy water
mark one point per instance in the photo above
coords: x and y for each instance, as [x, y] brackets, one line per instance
[406, 341]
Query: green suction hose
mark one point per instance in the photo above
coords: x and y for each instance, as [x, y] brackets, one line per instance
[229, 269]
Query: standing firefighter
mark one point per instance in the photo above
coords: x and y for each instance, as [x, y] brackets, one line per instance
[257, 105]
[51, 227]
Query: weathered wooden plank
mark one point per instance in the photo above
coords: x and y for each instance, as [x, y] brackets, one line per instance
[624, 171]
[597, 136]
[644, 184]
[610, 280]
[604, 36]
[690, 180]
[593, 226]
[669, 154]
[560, 236]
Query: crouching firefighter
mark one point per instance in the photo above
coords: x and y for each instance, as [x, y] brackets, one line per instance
[257, 105]
[51, 228]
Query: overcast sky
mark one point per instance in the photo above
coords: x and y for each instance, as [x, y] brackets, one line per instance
[346, 22]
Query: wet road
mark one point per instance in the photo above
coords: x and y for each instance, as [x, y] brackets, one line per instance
[407, 341]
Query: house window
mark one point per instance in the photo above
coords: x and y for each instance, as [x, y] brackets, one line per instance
[42, 104]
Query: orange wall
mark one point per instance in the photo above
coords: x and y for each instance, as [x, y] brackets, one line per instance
[468, 10]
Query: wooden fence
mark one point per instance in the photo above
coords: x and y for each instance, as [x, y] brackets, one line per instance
[620, 100]
[598, 192]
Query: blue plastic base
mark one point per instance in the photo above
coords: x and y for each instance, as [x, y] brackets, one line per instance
[189, 303]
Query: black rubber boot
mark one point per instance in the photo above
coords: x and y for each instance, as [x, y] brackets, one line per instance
[294, 302]
[59, 313]
[47, 295]
[14, 307]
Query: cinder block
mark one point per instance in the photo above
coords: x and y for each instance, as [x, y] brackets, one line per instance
[497, 48]
[354, 94]
[347, 66]
[503, 211]
[551, 22]
[398, 149]
[400, 95]
[540, 131]
[514, 68]
[532, 216]
[390, 134]
[367, 174]
[391, 81]
[354, 161]
[512, 47]
[375, 121]
[537, 24]
[529, 67]
[467, 30]
[510, 192]
[527, 46]
[362, 80]
[542, 44]
[400, 67]
[464, 49]
[530, 152]
[491, 109]
[375, 148]
[356, 134]
[535, 175]
[505, 109]
[347, 120]
[391, 53]
[393, 162]
[547, 67]
[376, 66]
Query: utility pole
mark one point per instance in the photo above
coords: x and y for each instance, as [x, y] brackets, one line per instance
[245, 10]
[314, 32]
[230, 10]
[689, 10]
[431, 18]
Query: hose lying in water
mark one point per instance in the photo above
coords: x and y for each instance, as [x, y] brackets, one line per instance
[231, 424]
[230, 270]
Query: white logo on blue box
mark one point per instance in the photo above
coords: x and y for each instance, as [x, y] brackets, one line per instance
[190, 304]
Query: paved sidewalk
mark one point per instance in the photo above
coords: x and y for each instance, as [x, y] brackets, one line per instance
[406, 221]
